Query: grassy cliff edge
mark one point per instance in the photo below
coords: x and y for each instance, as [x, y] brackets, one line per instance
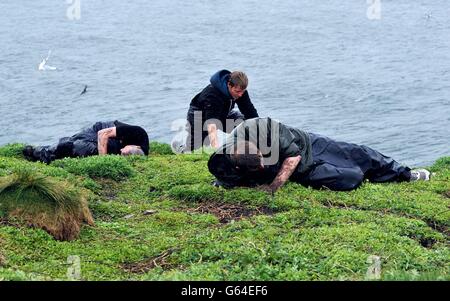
[159, 218]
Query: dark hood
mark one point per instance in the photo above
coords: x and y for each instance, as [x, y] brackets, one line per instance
[220, 80]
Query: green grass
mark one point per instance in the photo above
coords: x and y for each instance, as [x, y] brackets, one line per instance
[160, 148]
[111, 167]
[299, 234]
[30, 198]
[12, 150]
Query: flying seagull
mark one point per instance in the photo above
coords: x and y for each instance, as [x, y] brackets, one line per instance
[43, 66]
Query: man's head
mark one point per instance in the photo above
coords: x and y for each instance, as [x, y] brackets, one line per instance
[132, 150]
[247, 157]
[237, 84]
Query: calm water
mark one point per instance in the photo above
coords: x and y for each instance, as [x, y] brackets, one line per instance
[323, 66]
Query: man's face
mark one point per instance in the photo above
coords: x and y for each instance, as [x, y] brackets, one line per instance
[236, 91]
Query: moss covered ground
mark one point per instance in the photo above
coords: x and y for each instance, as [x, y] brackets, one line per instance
[159, 218]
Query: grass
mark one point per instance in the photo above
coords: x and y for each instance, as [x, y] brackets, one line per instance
[12, 150]
[111, 167]
[159, 218]
[30, 198]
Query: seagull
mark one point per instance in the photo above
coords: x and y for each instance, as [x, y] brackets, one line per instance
[42, 65]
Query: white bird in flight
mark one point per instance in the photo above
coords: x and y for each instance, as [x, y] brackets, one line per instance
[43, 66]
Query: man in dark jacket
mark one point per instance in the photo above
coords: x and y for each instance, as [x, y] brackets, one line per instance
[111, 137]
[266, 153]
[212, 109]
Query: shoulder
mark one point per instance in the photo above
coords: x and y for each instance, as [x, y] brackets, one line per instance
[210, 92]
[129, 129]
[107, 132]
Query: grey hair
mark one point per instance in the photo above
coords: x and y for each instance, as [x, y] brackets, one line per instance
[135, 150]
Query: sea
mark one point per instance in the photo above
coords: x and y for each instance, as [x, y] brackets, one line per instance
[372, 72]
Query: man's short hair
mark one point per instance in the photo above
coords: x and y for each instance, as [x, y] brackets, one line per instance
[246, 155]
[238, 78]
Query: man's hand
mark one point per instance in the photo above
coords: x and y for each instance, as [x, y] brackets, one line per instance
[103, 136]
[288, 167]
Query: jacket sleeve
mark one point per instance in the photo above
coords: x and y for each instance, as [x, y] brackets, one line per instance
[246, 107]
[288, 147]
[212, 107]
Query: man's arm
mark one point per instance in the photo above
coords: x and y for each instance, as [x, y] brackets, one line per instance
[246, 106]
[212, 133]
[288, 167]
[103, 136]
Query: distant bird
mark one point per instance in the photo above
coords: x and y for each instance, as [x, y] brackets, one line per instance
[43, 66]
[84, 90]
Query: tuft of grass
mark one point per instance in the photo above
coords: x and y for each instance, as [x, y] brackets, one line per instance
[30, 198]
[110, 167]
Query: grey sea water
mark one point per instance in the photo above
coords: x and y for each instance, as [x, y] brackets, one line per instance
[323, 66]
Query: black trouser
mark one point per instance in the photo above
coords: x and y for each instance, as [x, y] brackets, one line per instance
[343, 166]
[196, 141]
[82, 144]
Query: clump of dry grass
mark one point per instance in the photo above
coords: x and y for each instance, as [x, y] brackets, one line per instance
[38, 201]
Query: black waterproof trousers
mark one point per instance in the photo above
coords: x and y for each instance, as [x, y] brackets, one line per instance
[82, 144]
[344, 166]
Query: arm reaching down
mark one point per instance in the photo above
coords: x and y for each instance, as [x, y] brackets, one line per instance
[246, 106]
[103, 136]
[288, 167]
[212, 133]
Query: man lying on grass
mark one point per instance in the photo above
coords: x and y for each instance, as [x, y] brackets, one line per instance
[113, 137]
[265, 153]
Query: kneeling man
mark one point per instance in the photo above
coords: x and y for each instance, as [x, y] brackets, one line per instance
[213, 109]
[266, 153]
